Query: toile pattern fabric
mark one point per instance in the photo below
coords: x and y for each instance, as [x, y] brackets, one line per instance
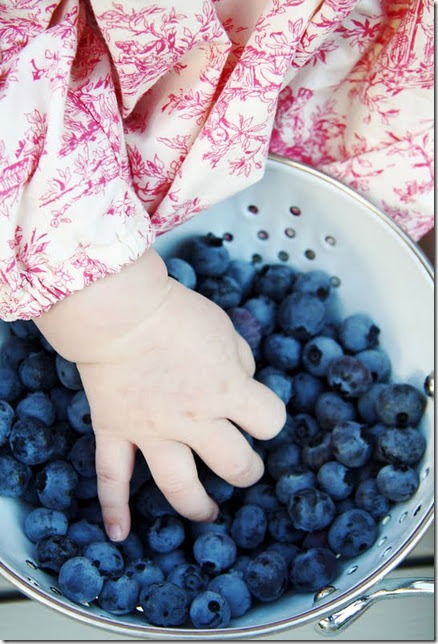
[122, 119]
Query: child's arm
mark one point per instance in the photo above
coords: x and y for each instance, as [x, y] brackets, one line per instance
[164, 371]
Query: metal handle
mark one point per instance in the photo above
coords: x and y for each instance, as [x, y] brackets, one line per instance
[388, 589]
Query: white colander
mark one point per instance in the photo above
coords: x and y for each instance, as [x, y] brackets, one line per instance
[300, 216]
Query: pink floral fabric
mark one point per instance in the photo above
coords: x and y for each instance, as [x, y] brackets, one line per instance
[121, 120]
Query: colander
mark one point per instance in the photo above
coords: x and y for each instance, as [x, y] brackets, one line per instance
[301, 216]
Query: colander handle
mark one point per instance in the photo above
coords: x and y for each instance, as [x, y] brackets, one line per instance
[387, 589]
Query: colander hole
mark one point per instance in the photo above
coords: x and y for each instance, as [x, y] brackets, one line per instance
[425, 474]
[403, 517]
[295, 211]
[290, 232]
[228, 237]
[263, 234]
[417, 510]
[31, 564]
[256, 258]
[351, 570]
[324, 592]
[386, 552]
[386, 519]
[310, 254]
[253, 209]
[335, 281]
[283, 256]
[56, 591]
[382, 541]
[330, 240]
[33, 582]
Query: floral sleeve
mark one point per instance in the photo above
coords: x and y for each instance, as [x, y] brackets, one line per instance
[121, 120]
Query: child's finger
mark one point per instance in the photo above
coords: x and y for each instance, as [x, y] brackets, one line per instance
[246, 356]
[257, 410]
[114, 467]
[174, 470]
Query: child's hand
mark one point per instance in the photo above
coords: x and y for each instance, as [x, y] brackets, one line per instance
[168, 376]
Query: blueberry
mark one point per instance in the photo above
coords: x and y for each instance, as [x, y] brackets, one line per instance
[84, 532]
[282, 351]
[266, 576]
[168, 560]
[37, 404]
[243, 272]
[378, 363]
[181, 271]
[283, 437]
[350, 444]
[306, 389]
[7, 416]
[297, 478]
[311, 509]
[90, 511]
[401, 446]
[86, 487]
[106, 557]
[287, 550]
[151, 502]
[336, 479]
[246, 325]
[317, 538]
[313, 569]
[331, 408]
[24, 329]
[232, 587]
[14, 476]
[214, 552]
[42, 522]
[79, 580]
[274, 281]
[262, 494]
[82, 455]
[352, 533]
[132, 547]
[358, 332]
[223, 291]
[11, 387]
[145, 571]
[164, 604]
[281, 528]
[119, 596]
[302, 428]
[264, 309]
[349, 376]
[31, 441]
[63, 439]
[208, 255]
[56, 484]
[37, 371]
[189, 577]
[283, 458]
[248, 527]
[79, 414]
[369, 498]
[141, 473]
[397, 482]
[315, 282]
[68, 373]
[400, 404]
[210, 610]
[301, 315]
[366, 403]
[53, 550]
[221, 525]
[216, 487]
[277, 381]
[14, 349]
[317, 451]
[165, 534]
[318, 354]
[61, 398]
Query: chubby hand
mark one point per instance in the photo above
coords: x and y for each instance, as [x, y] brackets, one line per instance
[169, 376]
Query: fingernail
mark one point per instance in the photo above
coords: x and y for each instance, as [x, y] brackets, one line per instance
[114, 532]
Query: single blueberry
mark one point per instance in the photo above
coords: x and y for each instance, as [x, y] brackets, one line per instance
[53, 550]
[350, 444]
[210, 610]
[264, 309]
[83, 455]
[352, 533]
[189, 577]
[14, 476]
[248, 527]
[106, 557]
[303, 428]
[282, 459]
[277, 381]
[14, 349]
[223, 291]
[37, 371]
[131, 547]
[243, 272]
[306, 389]
[262, 494]
[331, 408]
[11, 387]
[297, 478]
[86, 487]
[166, 533]
[24, 329]
[378, 363]
[181, 271]
[166, 561]
[63, 439]
[119, 596]
[42, 522]
[315, 282]
[221, 524]
[164, 604]
[287, 550]
[56, 484]
[366, 403]
[349, 376]
[311, 509]
[84, 532]
[400, 404]
[317, 451]
[313, 569]
[274, 281]
[31, 441]
[79, 414]
[368, 497]
[301, 315]
[68, 373]
[266, 576]
[214, 552]
[401, 446]
[336, 479]
[79, 580]
[318, 353]
[358, 332]
[208, 255]
[233, 588]
[61, 398]
[397, 482]
[281, 529]
[7, 417]
[145, 572]
[151, 503]
[37, 404]
[282, 351]
[215, 486]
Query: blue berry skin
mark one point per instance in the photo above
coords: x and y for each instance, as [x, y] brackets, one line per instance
[400, 405]
[68, 373]
[210, 610]
[11, 387]
[302, 428]
[349, 376]
[14, 350]
[24, 329]
[397, 482]
[87, 487]
[31, 441]
[189, 577]
[79, 414]
[311, 509]
[56, 484]
[401, 446]
[246, 325]
[262, 494]
[297, 478]
[61, 398]
[264, 309]
[164, 604]
[79, 580]
[233, 588]
[243, 272]
[223, 291]
[42, 522]
[282, 459]
[181, 271]
[306, 389]
[37, 371]
[358, 332]
[318, 353]
[216, 487]
[336, 479]
[316, 539]
[315, 282]
[84, 532]
[165, 534]
[368, 497]
[313, 569]
[248, 527]
[119, 596]
[282, 351]
[151, 502]
[274, 280]
[317, 451]
[145, 572]
[132, 547]
[208, 255]
[166, 561]
[331, 408]
[366, 403]
[287, 550]
[352, 533]
[37, 404]
[7, 417]
[266, 576]
[301, 315]
[52, 551]
[378, 363]
[221, 525]
[281, 528]
[14, 476]
[82, 455]
[90, 511]
[277, 381]
[214, 552]
[351, 444]
[63, 439]
[106, 557]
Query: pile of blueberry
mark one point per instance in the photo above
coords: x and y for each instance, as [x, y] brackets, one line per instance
[349, 452]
